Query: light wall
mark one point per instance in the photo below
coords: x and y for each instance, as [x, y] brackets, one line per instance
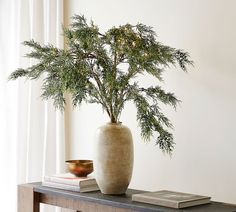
[204, 159]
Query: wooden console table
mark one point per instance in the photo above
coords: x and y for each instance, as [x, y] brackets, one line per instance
[31, 195]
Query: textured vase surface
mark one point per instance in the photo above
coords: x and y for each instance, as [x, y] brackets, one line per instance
[113, 158]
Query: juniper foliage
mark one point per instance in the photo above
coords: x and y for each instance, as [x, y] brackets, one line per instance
[89, 69]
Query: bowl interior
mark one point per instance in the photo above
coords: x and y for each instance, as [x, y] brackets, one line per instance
[79, 161]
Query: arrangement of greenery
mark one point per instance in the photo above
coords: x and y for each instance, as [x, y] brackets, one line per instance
[90, 70]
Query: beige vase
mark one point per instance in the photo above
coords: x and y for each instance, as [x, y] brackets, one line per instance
[113, 158]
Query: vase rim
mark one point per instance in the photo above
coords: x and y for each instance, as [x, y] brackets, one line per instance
[117, 123]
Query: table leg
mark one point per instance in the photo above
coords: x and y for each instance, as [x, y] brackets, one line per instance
[28, 200]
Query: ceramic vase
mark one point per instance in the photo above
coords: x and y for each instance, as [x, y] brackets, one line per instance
[113, 158]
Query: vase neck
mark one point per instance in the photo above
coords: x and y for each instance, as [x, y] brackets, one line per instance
[116, 123]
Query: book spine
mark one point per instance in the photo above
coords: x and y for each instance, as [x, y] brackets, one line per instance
[88, 183]
[89, 188]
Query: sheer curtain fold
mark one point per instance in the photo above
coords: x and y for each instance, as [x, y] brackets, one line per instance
[31, 131]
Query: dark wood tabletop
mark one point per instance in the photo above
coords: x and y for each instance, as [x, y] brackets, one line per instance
[124, 201]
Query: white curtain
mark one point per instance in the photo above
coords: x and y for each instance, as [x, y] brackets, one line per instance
[31, 130]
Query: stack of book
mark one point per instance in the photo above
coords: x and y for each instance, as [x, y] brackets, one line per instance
[69, 182]
[171, 199]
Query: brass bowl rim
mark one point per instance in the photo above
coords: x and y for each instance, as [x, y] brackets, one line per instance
[79, 161]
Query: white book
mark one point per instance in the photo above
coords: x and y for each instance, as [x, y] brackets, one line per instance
[71, 187]
[171, 199]
[70, 179]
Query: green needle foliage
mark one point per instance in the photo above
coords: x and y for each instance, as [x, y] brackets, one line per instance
[90, 70]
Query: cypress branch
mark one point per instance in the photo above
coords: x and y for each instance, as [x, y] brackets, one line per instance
[89, 70]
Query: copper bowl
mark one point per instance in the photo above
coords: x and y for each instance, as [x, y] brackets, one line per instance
[80, 168]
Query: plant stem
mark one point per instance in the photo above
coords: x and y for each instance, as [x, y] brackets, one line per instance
[113, 119]
[112, 115]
